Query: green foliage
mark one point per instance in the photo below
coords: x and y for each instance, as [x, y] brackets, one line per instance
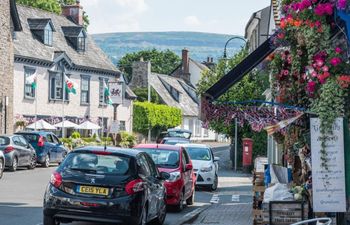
[75, 135]
[142, 95]
[149, 114]
[128, 140]
[53, 6]
[163, 62]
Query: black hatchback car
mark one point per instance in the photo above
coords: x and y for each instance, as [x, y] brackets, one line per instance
[109, 185]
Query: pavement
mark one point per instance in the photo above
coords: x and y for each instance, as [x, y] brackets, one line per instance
[21, 196]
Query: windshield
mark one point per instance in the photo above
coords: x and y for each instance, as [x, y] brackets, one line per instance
[163, 158]
[94, 163]
[181, 134]
[174, 142]
[199, 153]
[4, 141]
[30, 137]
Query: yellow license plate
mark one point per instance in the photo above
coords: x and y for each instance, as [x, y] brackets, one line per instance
[93, 190]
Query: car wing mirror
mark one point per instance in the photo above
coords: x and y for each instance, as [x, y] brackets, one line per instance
[216, 159]
[189, 167]
[164, 176]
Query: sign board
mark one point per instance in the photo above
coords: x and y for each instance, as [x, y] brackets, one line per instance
[328, 186]
[114, 127]
[117, 92]
[260, 163]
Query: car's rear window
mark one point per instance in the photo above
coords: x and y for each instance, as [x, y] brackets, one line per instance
[163, 158]
[96, 163]
[30, 137]
[199, 153]
[4, 141]
[174, 142]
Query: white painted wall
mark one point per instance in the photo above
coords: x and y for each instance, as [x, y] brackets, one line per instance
[202, 135]
[195, 72]
[24, 106]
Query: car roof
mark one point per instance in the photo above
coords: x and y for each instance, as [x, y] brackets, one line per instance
[34, 132]
[181, 130]
[193, 145]
[159, 146]
[123, 151]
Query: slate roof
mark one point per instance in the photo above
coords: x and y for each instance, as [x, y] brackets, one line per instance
[187, 105]
[39, 24]
[72, 31]
[26, 46]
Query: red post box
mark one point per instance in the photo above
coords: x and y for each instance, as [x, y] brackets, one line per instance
[247, 151]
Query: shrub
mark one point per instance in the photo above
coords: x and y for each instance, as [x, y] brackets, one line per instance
[75, 135]
[127, 140]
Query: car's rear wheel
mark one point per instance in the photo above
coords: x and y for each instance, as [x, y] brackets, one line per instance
[214, 186]
[190, 200]
[48, 220]
[2, 167]
[14, 165]
[46, 163]
[180, 206]
[32, 164]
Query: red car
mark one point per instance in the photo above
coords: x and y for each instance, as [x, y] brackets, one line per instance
[175, 161]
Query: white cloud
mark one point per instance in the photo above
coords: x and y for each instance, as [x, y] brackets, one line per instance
[192, 21]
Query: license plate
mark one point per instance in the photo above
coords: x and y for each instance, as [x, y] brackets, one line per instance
[93, 190]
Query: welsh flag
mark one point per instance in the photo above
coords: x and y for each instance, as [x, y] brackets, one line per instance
[107, 93]
[31, 80]
[71, 86]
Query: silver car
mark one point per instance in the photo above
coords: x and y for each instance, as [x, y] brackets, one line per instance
[2, 163]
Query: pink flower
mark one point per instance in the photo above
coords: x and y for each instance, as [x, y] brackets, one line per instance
[318, 23]
[314, 74]
[311, 86]
[328, 8]
[319, 10]
[342, 4]
[285, 72]
[325, 69]
[319, 62]
[306, 3]
[335, 61]
[338, 50]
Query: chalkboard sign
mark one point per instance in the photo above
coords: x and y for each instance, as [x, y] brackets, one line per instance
[286, 212]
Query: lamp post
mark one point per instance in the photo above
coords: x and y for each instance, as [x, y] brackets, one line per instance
[236, 123]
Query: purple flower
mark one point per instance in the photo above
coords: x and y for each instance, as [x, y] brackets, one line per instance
[342, 4]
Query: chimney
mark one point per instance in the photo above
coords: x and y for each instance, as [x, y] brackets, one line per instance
[140, 74]
[75, 12]
[185, 62]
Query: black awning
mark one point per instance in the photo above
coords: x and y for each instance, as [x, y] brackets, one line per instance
[244, 67]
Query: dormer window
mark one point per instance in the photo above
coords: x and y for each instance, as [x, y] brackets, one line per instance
[42, 29]
[76, 37]
[172, 91]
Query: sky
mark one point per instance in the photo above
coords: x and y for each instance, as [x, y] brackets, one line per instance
[213, 16]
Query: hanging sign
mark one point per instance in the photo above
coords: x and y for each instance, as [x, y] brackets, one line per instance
[114, 129]
[116, 92]
[328, 185]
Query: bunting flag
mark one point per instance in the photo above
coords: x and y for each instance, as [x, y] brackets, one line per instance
[282, 124]
[31, 80]
[107, 93]
[71, 86]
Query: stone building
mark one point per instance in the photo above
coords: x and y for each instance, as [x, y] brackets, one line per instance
[10, 23]
[53, 47]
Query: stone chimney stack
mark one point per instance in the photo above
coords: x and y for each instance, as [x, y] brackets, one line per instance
[185, 62]
[140, 73]
[75, 12]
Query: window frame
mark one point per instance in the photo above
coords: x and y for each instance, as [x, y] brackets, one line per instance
[26, 68]
[48, 35]
[81, 42]
[82, 91]
[52, 85]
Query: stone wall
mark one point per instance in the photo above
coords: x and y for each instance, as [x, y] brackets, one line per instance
[140, 71]
[6, 67]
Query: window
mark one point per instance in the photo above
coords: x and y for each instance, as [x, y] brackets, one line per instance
[49, 138]
[102, 97]
[198, 131]
[85, 90]
[190, 91]
[23, 141]
[122, 125]
[48, 35]
[56, 87]
[190, 125]
[173, 92]
[152, 166]
[81, 42]
[29, 91]
[144, 168]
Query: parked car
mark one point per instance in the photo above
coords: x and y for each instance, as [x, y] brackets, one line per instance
[205, 165]
[174, 136]
[49, 149]
[175, 161]
[109, 185]
[2, 164]
[17, 151]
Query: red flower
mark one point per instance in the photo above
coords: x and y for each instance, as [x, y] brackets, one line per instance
[311, 86]
[344, 81]
[318, 23]
[297, 23]
[283, 23]
[281, 35]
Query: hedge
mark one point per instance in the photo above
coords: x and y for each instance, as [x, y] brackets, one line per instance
[149, 114]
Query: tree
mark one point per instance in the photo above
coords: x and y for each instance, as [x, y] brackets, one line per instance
[251, 87]
[53, 6]
[142, 95]
[163, 62]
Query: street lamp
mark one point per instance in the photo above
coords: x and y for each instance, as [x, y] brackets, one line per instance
[236, 122]
[225, 49]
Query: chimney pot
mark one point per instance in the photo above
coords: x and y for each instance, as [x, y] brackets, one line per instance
[74, 11]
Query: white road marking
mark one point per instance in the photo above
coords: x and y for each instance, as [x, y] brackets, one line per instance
[235, 198]
[215, 199]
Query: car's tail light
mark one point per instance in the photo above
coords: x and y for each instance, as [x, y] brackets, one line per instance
[56, 179]
[134, 186]
[8, 149]
[41, 141]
